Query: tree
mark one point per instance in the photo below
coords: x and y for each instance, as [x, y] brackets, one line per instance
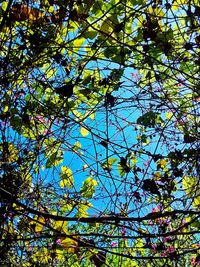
[99, 133]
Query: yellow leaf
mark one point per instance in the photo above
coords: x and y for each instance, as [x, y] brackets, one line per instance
[6, 109]
[162, 163]
[38, 223]
[66, 207]
[65, 183]
[76, 146]
[60, 226]
[92, 116]
[157, 176]
[12, 154]
[4, 5]
[66, 176]
[82, 209]
[169, 115]
[190, 185]
[43, 255]
[50, 73]
[25, 175]
[84, 132]
[78, 43]
[108, 25]
[196, 202]
[70, 245]
[50, 9]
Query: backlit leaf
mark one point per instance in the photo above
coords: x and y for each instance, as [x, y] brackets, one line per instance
[66, 177]
[84, 132]
[107, 164]
[4, 5]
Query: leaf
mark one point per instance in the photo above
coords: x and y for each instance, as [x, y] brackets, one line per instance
[70, 245]
[107, 164]
[134, 159]
[66, 90]
[4, 5]
[148, 119]
[66, 176]
[150, 186]
[84, 132]
[76, 146]
[162, 163]
[66, 207]
[92, 116]
[38, 224]
[6, 109]
[90, 182]
[189, 184]
[50, 73]
[11, 153]
[108, 26]
[54, 159]
[88, 188]
[82, 209]
[78, 43]
[196, 200]
[51, 9]
[21, 12]
[169, 115]
[90, 34]
[123, 168]
[60, 226]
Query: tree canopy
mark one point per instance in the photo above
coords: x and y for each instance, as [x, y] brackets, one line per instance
[99, 146]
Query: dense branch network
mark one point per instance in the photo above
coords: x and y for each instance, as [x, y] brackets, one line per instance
[99, 133]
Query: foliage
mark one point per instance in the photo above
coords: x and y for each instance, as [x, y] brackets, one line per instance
[99, 119]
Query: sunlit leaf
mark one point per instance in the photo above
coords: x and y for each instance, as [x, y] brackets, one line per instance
[169, 115]
[70, 244]
[55, 159]
[38, 224]
[4, 5]
[190, 184]
[88, 188]
[76, 146]
[10, 152]
[82, 209]
[107, 164]
[66, 177]
[162, 163]
[60, 226]
[84, 132]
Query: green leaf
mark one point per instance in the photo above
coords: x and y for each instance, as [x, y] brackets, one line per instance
[55, 159]
[196, 224]
[149, 119]
[121, 170]
[88, 188]
[107, 165]
[90, 182]
[90, 34]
